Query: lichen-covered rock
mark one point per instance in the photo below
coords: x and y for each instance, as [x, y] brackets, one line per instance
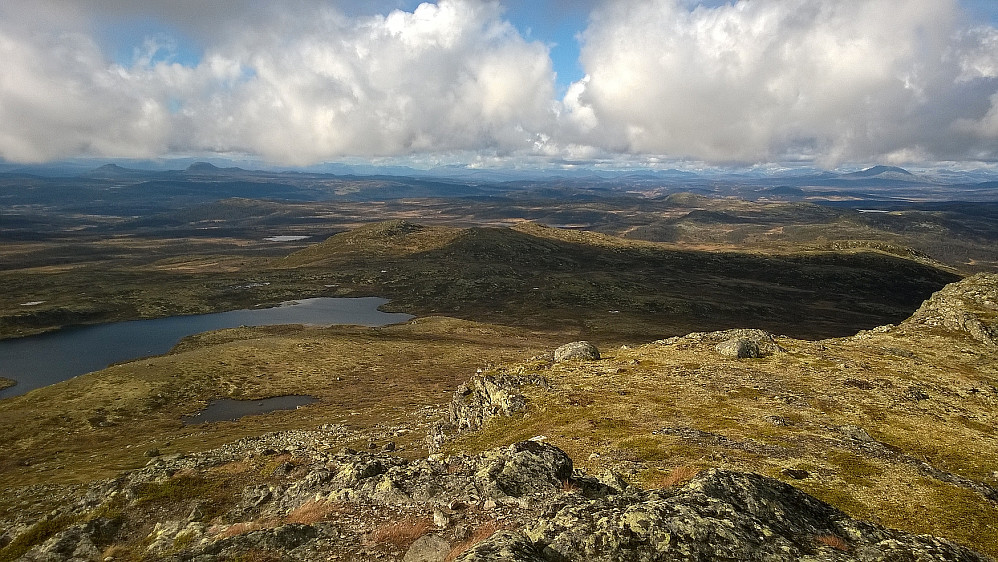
[80, 542]
[280, 539]
[969, 306]
[486, 396]
[170, 536]
[741, 343]
[428, 548]
[504, 546]
[720, 515]
[579, 350]
[550, 511]
[739, 348]
[523, 469]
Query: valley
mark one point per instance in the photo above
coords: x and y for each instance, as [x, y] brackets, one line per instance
[856, 372]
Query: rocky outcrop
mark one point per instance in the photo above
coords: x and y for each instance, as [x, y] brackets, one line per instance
[549, 511]
[486, 396]
[738, 343]
[739, 348]
[80, 542]
[720, 515]
[969, 306]
[579, 350]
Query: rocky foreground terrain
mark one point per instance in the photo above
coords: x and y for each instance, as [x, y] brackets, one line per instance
[684, 449]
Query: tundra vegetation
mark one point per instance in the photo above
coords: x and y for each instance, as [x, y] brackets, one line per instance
[857, 393]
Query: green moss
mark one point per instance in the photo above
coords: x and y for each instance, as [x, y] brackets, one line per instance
[853, 468]
[179, 488]
[644, 448]
[36, 535]
[946, 511]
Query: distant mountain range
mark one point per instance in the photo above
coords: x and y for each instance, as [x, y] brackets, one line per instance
[209, 181]
[463, 173]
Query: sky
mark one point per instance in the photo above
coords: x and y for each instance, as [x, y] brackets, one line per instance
[503, 84]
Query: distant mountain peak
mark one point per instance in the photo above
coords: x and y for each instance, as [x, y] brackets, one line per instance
[203, 167]
[881, 171]
[111, 171]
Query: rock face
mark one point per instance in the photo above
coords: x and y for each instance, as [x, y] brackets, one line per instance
[720, 515]
[550, 511]
[969, 306]
[580, 350]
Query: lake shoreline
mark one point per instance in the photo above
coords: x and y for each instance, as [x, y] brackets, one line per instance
[52, 357]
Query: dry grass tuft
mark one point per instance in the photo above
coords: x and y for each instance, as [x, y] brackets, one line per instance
[482, 532]
[569, 486]
[237, 529]
[400, 534]
[679, 476]
[834, 541]
[312, 512]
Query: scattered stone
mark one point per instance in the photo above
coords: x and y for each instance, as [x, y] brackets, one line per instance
[795, 473]
[779, 421]
[859, 383]
[916, 394]
[428, 548]
[580, 350]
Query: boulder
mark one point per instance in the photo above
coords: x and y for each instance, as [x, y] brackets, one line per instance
[739, 348]
[579, 350]
[524, 469]
[428, 548]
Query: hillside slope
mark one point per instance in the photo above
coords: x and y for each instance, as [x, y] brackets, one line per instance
[894, 426]
[612, 288]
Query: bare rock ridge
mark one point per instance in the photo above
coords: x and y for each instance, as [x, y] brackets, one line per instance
[550, 511]
[969, 306]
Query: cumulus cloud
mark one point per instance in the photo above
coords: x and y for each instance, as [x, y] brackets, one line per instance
[294, 86]
[305, 81]
[757, 80]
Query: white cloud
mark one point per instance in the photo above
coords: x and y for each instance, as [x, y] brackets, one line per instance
[850, 80]
[305, 81]
[295, 87]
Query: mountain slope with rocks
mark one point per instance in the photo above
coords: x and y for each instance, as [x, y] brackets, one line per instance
[738, 444]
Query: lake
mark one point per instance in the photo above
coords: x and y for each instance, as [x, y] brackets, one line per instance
[227, 409]
[45, 359]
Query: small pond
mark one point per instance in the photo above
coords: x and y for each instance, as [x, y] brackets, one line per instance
[45, 359]
[228, 409]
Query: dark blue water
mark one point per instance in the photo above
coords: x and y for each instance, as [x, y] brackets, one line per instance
[38, 361]
[228, 409]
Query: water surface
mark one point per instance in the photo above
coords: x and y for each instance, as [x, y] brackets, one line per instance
[45, 359]
[228, 409]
